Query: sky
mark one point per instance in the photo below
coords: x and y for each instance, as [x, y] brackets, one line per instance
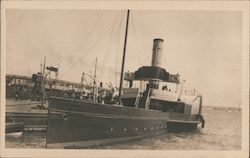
[204, 47]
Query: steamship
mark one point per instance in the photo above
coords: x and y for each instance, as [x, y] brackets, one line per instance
[140, 112]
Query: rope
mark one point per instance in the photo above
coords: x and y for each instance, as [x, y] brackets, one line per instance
[117, 50]
[107, 50]
[84, 39]
[140, 39]
[134, 32]
[88, 51]
[104, 66]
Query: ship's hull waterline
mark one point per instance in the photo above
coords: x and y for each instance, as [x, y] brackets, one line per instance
[80, 124]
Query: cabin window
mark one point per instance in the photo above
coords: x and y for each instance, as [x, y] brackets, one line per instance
[61, 84]
[23, 82]
[17, 81]
[167, 106]
[10, 81]
[70, 87]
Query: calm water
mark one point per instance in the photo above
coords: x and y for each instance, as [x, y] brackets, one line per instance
[222, 132]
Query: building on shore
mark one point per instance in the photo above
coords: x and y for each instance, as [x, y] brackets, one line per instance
[27, 87]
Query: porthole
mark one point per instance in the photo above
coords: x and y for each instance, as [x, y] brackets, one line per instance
[65, 117]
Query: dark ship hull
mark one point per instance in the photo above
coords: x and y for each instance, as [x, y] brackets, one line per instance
[75, 124]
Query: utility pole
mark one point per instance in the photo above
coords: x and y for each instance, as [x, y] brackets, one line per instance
[41, 67]
[95, 90]
[43, 80]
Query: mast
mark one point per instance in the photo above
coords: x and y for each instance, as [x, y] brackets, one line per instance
[123, 58]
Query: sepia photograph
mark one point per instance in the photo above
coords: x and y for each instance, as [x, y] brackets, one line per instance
[127, 78]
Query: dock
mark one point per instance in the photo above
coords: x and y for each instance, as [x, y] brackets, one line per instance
[26, 114]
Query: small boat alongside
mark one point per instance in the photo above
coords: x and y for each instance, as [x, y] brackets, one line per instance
[14, 127]
[151, 109]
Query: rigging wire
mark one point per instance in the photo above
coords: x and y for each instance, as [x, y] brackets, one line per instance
[89, 50]
[104, 66]
[135, 35]
[117, 50]
[107, 50]
[99, 18]
[141, 39]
